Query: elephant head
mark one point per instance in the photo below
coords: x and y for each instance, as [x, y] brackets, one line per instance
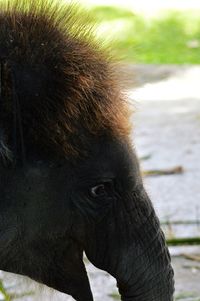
[70, 179]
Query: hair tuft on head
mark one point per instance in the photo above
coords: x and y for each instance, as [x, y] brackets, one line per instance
[65, 82]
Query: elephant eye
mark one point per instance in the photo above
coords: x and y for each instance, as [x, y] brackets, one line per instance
[102, 189]
[98, 190]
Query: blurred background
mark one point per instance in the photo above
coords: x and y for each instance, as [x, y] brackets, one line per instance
[158, 44]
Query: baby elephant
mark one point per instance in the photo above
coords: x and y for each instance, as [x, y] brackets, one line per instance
[70, 180]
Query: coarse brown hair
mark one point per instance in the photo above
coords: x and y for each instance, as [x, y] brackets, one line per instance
[65, 81]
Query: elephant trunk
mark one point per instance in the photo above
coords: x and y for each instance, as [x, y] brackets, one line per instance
[153, 284]
[133, 250]
[159, 289]
[151, 278]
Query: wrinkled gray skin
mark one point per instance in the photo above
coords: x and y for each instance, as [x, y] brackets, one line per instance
[53, 209]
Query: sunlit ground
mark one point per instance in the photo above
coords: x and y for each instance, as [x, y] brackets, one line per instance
[184, 84]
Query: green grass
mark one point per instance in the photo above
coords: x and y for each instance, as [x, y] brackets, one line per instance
[7, 296]
[172, 38]
[186, 296]
[4, 293]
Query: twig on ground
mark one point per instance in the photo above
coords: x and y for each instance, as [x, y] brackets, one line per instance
[163, 172]
[191, 257]
[186, 266]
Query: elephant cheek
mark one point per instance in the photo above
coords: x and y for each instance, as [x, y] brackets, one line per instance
[59, 264]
